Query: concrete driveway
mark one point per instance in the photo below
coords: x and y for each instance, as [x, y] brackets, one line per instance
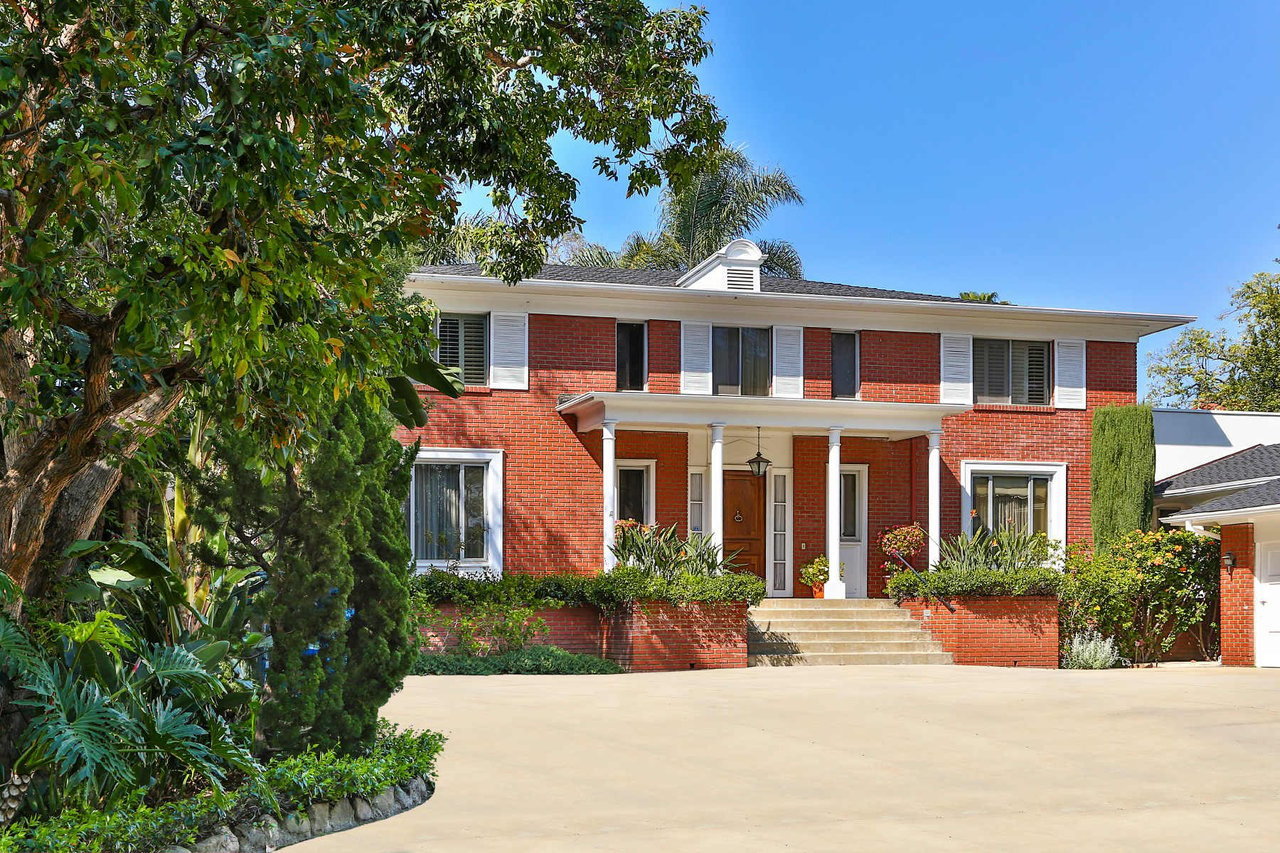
[845, 758]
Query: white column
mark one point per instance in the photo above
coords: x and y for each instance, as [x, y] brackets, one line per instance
[717, 485]
[935, 495]
[609, 473]
[834, 587]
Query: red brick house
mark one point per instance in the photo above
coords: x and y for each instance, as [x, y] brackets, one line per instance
[599, 394]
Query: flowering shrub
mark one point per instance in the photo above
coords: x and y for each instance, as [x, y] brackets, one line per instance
[1144, 590]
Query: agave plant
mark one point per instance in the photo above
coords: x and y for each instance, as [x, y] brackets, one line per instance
[660, 551]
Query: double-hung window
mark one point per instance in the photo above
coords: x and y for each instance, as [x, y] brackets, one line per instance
[455, 508]
[464, 344]
[741, 361]
[1010, 502]
[1016, 372]
[631, 356]
[844, 364]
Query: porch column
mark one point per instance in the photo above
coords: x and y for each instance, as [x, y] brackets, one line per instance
[935, 495]
[834, 587]
[608, 472]
[717, 485]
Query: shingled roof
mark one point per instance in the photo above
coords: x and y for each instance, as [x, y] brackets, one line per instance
[1265, 495]
[669, 278]
[1252, 463]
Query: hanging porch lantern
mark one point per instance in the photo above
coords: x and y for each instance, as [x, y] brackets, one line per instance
[758, 463]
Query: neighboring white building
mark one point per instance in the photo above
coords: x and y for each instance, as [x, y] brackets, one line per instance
[1186, 438]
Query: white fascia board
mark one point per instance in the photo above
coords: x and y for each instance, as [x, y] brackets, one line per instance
[1226, 516]
[1233, 486]
[542, 296]
[680, 411]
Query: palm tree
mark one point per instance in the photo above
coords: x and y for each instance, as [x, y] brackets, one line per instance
[730, 200]
[983, 296]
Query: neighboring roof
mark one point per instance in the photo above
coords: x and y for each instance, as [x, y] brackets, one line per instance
[1265, 495]
[1252, 463]
[669, 278]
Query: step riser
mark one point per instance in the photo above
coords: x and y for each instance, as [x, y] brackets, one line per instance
[871, 659]
[838, 636]
[924, 646]
[827, 604]
[785, 625]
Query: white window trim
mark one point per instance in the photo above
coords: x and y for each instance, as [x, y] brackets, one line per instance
[1055, 471]
[644, 351]
[789, 534]
[650, 467]
[702, 499]
[492, 460]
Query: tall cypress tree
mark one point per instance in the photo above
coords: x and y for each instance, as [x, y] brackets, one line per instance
[1122, 472]
[329, 532]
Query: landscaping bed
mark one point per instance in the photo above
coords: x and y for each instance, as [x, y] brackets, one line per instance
[295, 798]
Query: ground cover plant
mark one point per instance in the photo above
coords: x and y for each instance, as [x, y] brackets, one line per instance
[534, 660]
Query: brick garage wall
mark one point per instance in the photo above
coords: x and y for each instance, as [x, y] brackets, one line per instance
[995, 630]
[550, 473]
[900, 367]
[1040, 434]
[896, 495]
[574, 629]
[1236, 598]
[658, 637]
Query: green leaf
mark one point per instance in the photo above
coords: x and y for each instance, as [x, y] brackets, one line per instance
[446, 380]
[404, 404]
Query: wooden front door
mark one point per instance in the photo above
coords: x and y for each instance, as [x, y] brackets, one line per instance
[744, 520]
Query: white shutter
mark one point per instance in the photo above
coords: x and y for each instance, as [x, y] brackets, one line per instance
[695, 358]
[509, 351]
[957, 369]
[1068, 374]
[788, 361]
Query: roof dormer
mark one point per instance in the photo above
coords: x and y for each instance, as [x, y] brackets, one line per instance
[735, 267]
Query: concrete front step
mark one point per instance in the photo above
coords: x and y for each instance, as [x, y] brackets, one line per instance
[827, 603]
[922, 644]
[849, 659]
[842, 633]
[804, 623]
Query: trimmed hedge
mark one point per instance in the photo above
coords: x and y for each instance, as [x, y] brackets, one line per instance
[952, 583]
[610, 592]
[395, 758]
[533, 660]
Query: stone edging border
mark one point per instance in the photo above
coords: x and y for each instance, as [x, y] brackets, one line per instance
[265, 834]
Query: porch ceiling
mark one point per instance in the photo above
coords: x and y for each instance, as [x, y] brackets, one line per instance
[855, 417]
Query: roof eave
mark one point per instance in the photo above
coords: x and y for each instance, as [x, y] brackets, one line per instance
[1148, 323]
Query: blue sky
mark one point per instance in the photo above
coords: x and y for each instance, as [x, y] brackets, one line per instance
[1095, 155]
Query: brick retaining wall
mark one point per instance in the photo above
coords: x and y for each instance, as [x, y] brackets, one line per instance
[650, 637]
[994, 630]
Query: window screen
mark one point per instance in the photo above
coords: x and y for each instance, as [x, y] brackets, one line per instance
[844, 364]
[631, 367]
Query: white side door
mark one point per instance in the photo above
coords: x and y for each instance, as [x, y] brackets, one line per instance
[853, 529]
[1266, 625]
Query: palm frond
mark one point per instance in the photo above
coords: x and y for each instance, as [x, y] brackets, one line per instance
[19, 658]
[593, 255]
[781, 259]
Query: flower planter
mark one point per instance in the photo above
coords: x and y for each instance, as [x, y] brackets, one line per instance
[818, 591]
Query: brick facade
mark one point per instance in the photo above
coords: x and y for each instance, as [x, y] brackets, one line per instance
[574, 629]
[1236, 597]
[552, 479]
[993, 630]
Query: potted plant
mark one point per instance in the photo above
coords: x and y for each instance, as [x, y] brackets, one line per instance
[815, 574]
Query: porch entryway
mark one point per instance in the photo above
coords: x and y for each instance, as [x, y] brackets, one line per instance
[744, 521]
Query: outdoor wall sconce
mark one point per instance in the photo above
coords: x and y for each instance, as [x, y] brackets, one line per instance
[1229, 560]
[758, 463]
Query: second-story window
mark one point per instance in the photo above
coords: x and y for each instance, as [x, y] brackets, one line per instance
[464, 344]
[631, 357]
[741, 361]
[844, 364]
[1014, 372]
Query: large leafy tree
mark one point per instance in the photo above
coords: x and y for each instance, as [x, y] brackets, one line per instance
[196, 199]
[1212, 368]
[730, 199]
